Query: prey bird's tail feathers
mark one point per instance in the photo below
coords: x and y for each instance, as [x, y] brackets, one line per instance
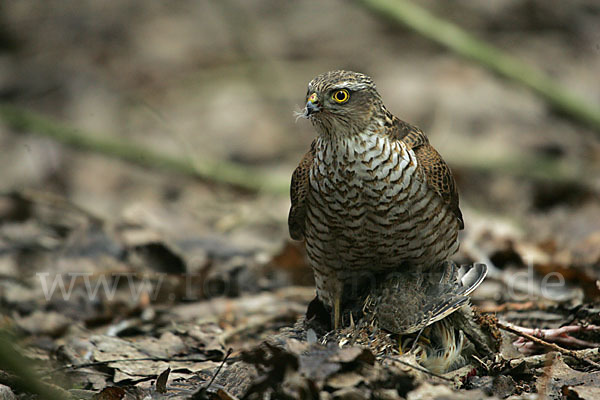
[470, 277]
[406, 302]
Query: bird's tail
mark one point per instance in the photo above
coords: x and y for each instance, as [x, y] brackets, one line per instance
[470, 277]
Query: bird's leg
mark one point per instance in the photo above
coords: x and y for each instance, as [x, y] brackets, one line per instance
[335, 289]
[336, 311]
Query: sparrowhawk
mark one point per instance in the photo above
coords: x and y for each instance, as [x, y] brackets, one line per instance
[371, 196]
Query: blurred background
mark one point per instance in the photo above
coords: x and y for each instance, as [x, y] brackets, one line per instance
[160, 136]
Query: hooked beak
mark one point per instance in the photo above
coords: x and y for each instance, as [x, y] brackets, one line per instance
[312, 105]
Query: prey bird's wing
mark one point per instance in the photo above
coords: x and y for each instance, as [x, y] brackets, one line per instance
[451, 291]
[406, 302]
[439, 176]
[298, 191]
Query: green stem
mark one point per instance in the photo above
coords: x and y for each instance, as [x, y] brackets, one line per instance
[463, 43]
[25, 379]
[536, 168]
[224, 172]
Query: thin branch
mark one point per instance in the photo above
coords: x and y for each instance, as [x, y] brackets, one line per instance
[222, 171]
[463, 43]
[552, 346]
[261, 322]
[418, 368]
[229, 351]
[540, 360]
[118, 360]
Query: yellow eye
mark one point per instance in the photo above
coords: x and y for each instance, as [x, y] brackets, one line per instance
[340, 96]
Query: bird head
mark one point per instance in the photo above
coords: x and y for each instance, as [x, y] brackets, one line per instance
[342, 102]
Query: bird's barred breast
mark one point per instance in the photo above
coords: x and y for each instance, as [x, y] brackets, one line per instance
[369, 208]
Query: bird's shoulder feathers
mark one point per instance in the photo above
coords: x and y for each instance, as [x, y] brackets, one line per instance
[439, 176]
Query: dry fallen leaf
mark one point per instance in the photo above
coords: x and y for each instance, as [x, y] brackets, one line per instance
[161, 382]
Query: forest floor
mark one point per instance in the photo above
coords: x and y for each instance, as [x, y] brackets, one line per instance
[121, 280]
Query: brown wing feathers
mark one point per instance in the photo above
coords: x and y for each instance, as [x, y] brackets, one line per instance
[298, 191]
[439, 176]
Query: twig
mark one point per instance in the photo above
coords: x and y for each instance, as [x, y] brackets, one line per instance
[222, 171]
[540, 360]
[52, 200]
[259, 322]
[418, 368]
[97, 363]
[561, 335]
[202, 392]
[499, 308]
[480, 361]
[463, 43]
[229, 350]
[553, 346]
